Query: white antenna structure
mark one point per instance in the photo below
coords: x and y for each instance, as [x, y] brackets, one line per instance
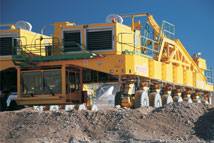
[117, 18]
[23, 25]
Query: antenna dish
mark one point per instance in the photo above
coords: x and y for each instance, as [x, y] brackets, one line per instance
[23, 25]
[118, 18]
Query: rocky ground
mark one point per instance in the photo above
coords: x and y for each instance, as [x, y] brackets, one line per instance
[178, 122]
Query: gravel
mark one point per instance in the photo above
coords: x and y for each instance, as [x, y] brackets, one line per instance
[178, 122]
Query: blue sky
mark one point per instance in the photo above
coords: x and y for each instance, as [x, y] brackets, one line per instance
[193, 19]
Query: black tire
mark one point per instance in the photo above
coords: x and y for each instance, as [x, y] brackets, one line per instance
[166, 99]
[1, 108]
[118, 99]
[177, 99]
[14, 106]
[2, 104]
[189, 100]
[196, 100]
[205, 101]
[155, 99]
[141, 99]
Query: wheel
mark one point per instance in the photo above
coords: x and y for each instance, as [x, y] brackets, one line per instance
[3, 104]
[1, 108]
[197, 100]
[141, 99]
[118, 99]
[187, 99]
[166, 99]
[205, 102]
[155, 99]
[14, 106]
[177, 99]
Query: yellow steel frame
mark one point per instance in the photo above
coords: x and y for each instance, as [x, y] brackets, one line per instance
[173, 65]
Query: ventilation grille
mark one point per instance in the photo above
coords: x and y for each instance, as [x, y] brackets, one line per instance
[99, 40]
[6, 45]
[72, 41]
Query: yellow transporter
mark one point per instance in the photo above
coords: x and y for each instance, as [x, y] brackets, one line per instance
[11, 40]
[150, 66]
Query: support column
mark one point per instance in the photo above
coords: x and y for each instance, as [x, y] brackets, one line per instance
[187, 96]
[18, 82]
[177, 95]
[81, 85]
[64, 81]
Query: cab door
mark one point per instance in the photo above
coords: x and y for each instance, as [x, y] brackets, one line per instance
[74, 85]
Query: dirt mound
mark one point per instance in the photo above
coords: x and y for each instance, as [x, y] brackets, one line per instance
[177, 122]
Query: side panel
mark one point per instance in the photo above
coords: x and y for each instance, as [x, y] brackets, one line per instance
[174, 71]
[127, 39]
[180, 75]
[199, 82]
[189, 75]
[6, 61]
[141, 66]
[169, 73]
[164, 72]
[33, 43]
[157, 70]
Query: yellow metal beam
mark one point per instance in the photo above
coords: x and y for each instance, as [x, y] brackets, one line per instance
[161, 50]
[64, 81]
[18, 82]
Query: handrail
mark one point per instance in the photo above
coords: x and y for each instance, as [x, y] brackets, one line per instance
[143, 45]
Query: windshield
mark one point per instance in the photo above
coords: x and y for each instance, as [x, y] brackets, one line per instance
[52, 82]
[31, 83]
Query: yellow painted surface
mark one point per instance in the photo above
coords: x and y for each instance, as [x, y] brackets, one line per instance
[151, 68]
[179, 75]
[174, 71]
[122, 34]
[169, 73]
[201, 63]
[109, 64]
[5, 63]
[164, 72]
[189, 75]
[194, 79]
[26, 38]
[116, 63]
[126, 39]
[199, 82]
[129, 66]
[10, 32]
[208, 87]
[157, 70]
[32, 42]
[141, 65]
[59, 27]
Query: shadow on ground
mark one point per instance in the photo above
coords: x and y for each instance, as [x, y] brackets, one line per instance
[204, 127]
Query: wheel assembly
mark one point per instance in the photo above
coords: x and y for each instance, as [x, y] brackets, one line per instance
[155, 99]
[197, 100]
[141, 99]
[166, 99]
[118, 99]
[177, 99]
[188, 99]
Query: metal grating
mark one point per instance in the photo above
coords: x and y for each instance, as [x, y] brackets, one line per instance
[6, 45]
[99, 40]
[71, 41]
[209, 75]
